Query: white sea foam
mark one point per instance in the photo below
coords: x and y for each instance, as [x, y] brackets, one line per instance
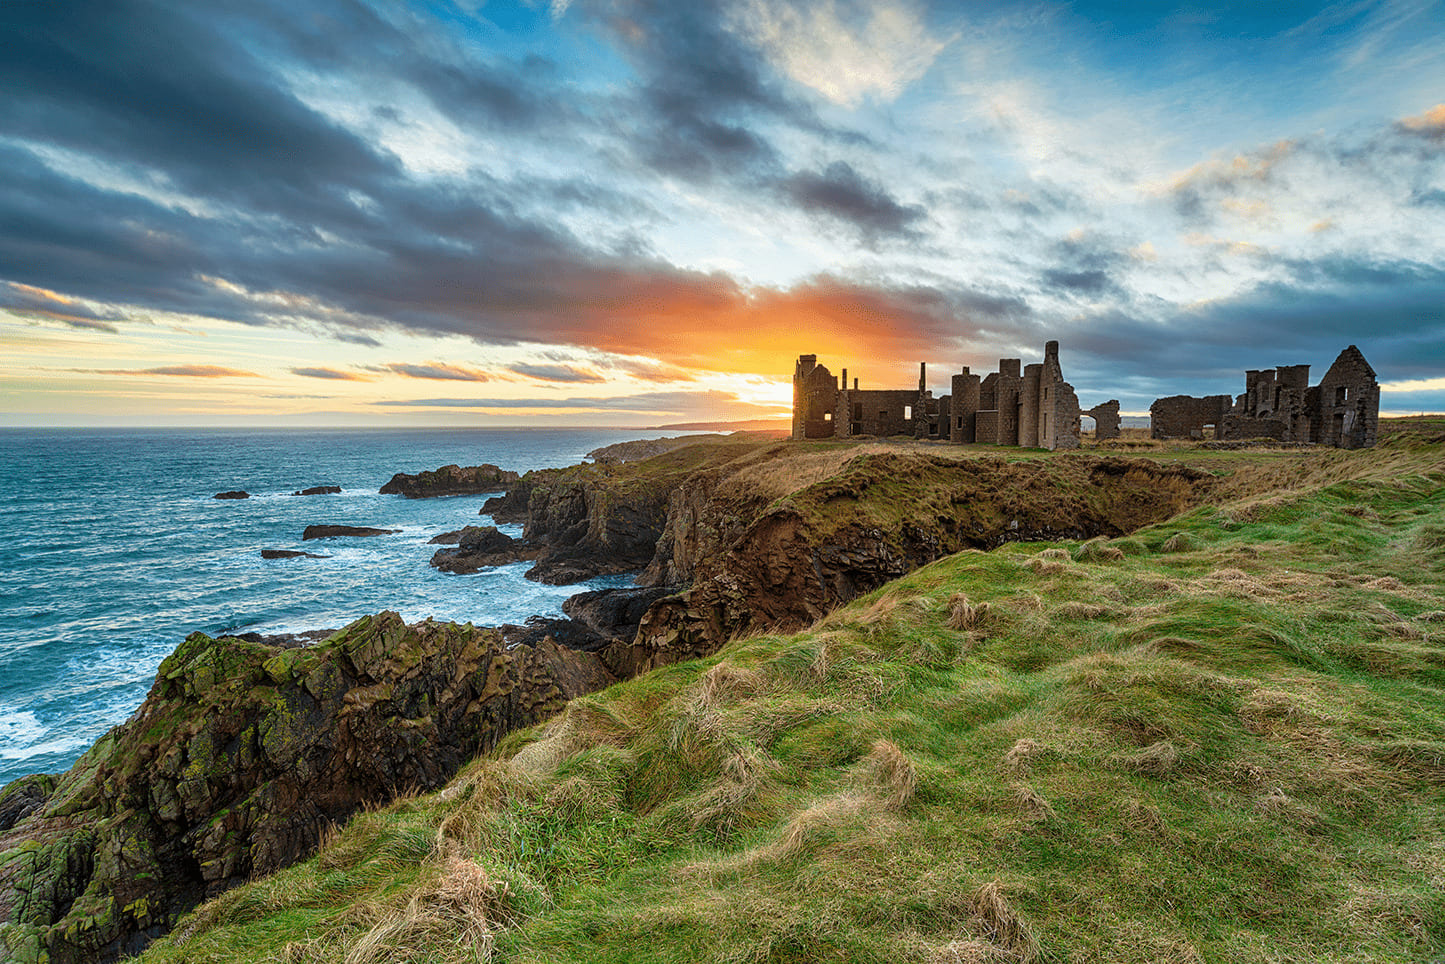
[19, 730]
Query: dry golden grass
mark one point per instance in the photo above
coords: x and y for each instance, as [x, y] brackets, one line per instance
[457, 906]
[772, 478]
[1046, 567]
[1083, 610]
[963, 615]
[584, 723]
[1032, 805]
[967, 952]
[1155, 760]
[892, 777]
[1003, 925]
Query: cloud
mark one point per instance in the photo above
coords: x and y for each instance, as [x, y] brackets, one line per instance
[182, 371]
[1430, 124]
[437, 371]
[841, 193]
[556, 373]
[714, 404]
[331, 373]
[651, 371]
[845, 51]
[33, 302]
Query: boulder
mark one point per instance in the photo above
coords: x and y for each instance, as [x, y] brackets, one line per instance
[289, 554]
[320, 490]
[332, 532]
[233, 494]
[450, 480]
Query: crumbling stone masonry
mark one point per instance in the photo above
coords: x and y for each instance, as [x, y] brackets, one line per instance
[1030, 406]
[1343, 410]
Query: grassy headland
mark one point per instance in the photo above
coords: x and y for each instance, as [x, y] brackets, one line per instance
[1219, 738]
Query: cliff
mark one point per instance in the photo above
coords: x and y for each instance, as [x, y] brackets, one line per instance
[1218, 738]
[239, 759]
[243, 753]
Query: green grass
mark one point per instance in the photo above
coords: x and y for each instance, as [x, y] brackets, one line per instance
[1223, 740]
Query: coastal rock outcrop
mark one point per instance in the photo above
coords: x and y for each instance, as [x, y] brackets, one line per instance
[600, 519]
[240, 756]
[333, 532]
[289, 554]
[450, 480]
[320, 490]
[479, 547]
[877, 517]
[615, 614]
[233, 494]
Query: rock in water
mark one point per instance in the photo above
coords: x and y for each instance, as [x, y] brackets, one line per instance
[479, 547]
[289, 554]
[332, 532]
[241, 756]
[320, 490]
[233, 494]
[450, 480]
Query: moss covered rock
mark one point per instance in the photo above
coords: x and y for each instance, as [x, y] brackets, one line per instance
[240, 756]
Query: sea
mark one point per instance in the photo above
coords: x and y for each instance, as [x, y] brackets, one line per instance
[113, 549]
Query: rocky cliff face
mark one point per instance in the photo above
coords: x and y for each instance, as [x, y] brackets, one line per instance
[594, 520]
[880, 516]
[240, 757]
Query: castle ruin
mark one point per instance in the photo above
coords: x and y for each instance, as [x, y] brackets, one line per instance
[1343, 410]
[1028, 405]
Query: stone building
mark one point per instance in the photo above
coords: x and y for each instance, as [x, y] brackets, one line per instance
[1030, 406]
[1343, 410]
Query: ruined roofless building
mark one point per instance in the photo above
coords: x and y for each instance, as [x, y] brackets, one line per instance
[1030, 406]
[1343, 410]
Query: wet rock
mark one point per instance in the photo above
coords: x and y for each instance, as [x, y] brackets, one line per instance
[332, 532]
[233, 494]
[289, 554]
[565, 632]
[511, 506]
[479, 547]
[20, 798]
[320, 490]
[450, 480]
[240, 757]
[615, 613]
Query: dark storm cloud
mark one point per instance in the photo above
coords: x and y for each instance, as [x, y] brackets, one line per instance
[702, 89]
[147, 83]
[262, 210]
[841, 193]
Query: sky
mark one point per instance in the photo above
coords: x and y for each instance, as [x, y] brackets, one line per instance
[640, 212]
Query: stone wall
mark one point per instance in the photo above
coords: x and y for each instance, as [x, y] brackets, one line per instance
[1184, 416]
[1106, 419]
